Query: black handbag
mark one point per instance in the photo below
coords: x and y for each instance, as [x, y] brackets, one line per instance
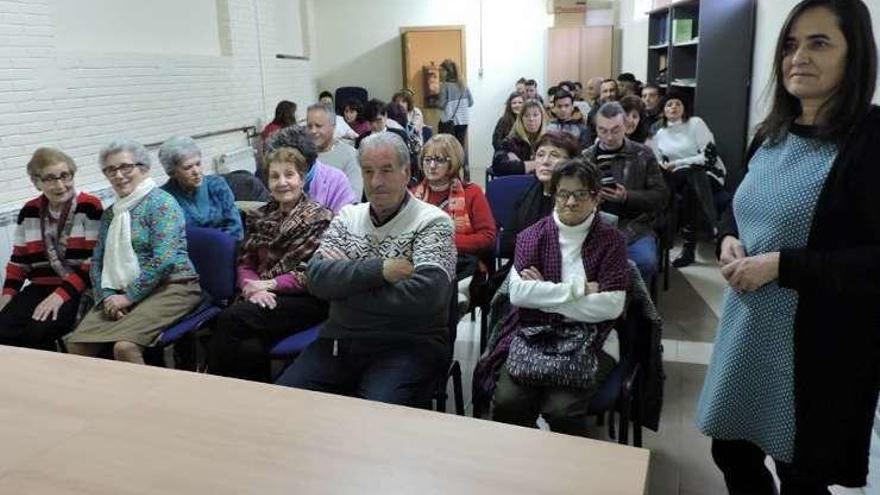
[554, 356]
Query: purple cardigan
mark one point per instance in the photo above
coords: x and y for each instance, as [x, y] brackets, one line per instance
[605, 259]
[330, 188]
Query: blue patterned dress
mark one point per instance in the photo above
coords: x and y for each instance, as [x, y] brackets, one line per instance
[749, 389]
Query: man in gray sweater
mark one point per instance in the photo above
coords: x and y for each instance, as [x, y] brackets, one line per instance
[387, 268]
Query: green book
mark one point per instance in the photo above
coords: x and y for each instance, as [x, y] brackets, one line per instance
[682, 30]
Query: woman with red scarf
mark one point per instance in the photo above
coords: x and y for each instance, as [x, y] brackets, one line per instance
[442, 160]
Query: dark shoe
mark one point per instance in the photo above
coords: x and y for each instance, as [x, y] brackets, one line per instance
[687, 256]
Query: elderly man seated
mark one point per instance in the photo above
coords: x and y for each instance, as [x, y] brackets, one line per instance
[331, 150]
[386, 267]
[633, 187]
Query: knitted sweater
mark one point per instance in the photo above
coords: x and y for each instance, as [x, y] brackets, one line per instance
[209, 205]
[363, 305]
[29, 259]
[158, 236]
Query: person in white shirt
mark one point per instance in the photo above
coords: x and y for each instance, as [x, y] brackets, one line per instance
[685, 148]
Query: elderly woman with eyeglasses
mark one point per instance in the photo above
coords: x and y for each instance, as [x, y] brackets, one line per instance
[142, 275]
[567, 285]
[442, 159]
[52, 248]
[207, 200]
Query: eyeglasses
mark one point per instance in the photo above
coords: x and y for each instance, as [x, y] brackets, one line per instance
[64, 177]
[579, 195]
[125, 168]
[435, 160]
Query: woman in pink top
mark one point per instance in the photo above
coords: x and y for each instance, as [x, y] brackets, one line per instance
[280, 238]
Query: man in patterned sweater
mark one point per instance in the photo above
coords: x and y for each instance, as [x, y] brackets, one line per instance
[387, 268]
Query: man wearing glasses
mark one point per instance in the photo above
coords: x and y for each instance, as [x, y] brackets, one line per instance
[633, 187]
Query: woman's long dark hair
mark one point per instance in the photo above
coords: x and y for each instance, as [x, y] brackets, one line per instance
[509, 118]
[852, 99]
[285, 113]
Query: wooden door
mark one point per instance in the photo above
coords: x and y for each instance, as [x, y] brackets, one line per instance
[579, 53]
[423, 46]
[563, 55]
[597, 52]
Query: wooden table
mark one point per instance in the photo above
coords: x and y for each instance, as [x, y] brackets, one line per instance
[77, 425]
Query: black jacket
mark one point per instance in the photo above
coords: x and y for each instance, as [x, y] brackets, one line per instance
[837, 324]
[636, 168]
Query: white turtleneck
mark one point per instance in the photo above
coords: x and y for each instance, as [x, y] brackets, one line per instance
[568, 297]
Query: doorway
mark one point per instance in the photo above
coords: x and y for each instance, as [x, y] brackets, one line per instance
[425, 47]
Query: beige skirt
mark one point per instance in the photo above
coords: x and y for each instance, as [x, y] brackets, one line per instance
[146, 320]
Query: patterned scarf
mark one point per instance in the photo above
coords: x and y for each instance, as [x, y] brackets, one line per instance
[56, 246]
[279, 243]
[454, 205]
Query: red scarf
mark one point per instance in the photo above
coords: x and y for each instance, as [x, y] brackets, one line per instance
[454, 205]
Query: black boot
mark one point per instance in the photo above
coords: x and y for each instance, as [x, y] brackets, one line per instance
[687, 256]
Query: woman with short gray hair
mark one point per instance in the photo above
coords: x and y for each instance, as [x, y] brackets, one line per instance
[141, 272]
[206, 200]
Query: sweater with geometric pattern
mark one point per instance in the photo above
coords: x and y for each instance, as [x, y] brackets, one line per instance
[29, 260]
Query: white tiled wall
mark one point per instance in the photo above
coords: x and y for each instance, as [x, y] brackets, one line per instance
[79, 101]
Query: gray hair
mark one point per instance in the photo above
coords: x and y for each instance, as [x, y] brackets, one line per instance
[611, 109]
[122, 145]
[327, 108]
[382, 140]
[175, 150]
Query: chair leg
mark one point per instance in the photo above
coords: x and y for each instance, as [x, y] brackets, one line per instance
[484, 323]
[457, 391]
[666, 269]
[611, 433]
[637, 433]
[441, 397]
[623, 424]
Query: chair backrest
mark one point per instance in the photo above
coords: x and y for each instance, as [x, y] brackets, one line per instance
[503, 193]
[213, 252]
[346, 93]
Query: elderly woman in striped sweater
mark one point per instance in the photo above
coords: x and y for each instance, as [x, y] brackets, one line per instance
[52, 248]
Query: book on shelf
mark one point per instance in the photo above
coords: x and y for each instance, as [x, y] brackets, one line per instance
[682, 30]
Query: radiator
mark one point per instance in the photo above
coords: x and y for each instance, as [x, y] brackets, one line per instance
[238, 159]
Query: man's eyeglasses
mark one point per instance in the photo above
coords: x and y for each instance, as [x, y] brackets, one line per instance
[47, 179]
[125, 168]
[579, 195]
[435, 160]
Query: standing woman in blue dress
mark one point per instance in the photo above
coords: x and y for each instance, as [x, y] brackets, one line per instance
[795, 370]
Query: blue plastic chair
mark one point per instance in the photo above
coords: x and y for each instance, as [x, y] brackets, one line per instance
[213, 253]
[502, 193]
[293, 345]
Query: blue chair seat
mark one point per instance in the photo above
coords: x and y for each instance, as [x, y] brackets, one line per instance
[295, 344]
[189, 324]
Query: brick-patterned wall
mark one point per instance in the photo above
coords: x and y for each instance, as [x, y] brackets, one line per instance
[80, 101]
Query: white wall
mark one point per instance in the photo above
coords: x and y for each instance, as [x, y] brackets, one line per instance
[78, 99]
[633, 24]
[770, 18]
[359, 45]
